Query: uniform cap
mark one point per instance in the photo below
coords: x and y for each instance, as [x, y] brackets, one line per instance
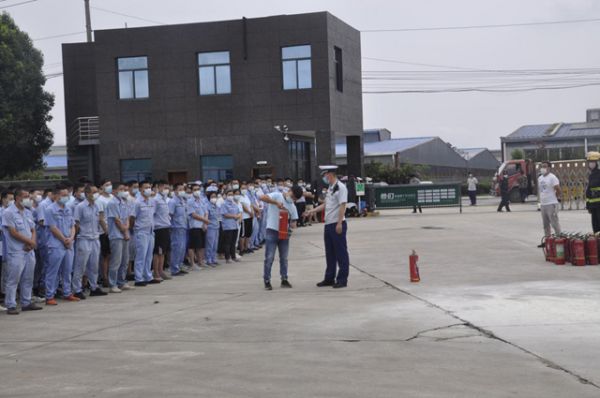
[327, 168]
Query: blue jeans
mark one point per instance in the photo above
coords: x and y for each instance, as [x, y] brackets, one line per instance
[336, 254]
[272, 243]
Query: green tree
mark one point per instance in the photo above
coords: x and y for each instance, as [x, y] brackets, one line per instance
[517, 154]
[391, 174]
[24, 105]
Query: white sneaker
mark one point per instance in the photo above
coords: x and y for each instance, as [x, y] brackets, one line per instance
[2, 308]
[127, 287]
[38, 300]
[115, 290]
[196, 267]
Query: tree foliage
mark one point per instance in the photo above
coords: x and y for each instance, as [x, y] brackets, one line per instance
[391, 174]
[24, 105]
[517, 154]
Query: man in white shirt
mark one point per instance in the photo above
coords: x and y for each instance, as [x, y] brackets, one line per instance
[550, 193]
[472, 189]
[336, 248]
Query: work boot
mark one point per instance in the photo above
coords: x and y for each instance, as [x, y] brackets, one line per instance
[325, 283]
[31, 307]
[286, 284]
[80, 296]
[98, 292]
[268, 285]
[12, 311]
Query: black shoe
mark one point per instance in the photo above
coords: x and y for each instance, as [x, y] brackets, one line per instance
[12, 311]
[141, 284]
[180, 273]
[541, 246]
[80, 296]
[286, 284]
[268, 285]
[130, 277]
[339, 285]
[31, 307]
[325, 283]
[154, 282]
[98, 292]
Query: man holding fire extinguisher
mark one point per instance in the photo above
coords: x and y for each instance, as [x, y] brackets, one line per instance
[277, 235]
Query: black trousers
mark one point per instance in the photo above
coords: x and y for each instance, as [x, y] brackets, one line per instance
[229, 238]
[595, 219]
[473, 197]
[300, 208]
[504, 203]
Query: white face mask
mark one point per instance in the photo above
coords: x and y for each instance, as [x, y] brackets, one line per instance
[96, 195]
[27, 203]
[196, 194]
[108, 189]
[135, 191]
[235, 186]
[230, 198]
[11, 202]
[81, 196]
[122, 194]
[543, 170]
[213, 200]
[38, 198]
[63, 200]
[237, 198]
[181, 194]
[244, 191]
[165, 192]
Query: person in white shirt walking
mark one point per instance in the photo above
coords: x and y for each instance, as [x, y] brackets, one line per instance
[550, 193]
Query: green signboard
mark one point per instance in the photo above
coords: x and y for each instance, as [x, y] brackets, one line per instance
[424, 195]
[360, 189]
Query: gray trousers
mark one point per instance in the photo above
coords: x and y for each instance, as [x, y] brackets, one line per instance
[550, 219]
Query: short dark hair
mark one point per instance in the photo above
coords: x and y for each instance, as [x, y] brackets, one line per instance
[104, 181]
[177, 185]
[297, 191]
[131, 183]
[47, 191]
[547, 163]
[19, 190]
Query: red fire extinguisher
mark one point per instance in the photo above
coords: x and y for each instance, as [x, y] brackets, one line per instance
[567, 249]
[559, 251]
[578, 252]
[414, 268]
[591, 250]
[549, 248]
[283, 224]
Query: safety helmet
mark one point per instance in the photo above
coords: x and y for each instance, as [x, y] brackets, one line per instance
[593, 156]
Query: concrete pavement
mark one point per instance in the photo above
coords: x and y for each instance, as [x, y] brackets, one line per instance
[489, 319]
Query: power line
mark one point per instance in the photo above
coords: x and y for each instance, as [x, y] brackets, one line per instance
[58, 36]
[492, 26]
[17, 4]
[480, 89]
[127, 15]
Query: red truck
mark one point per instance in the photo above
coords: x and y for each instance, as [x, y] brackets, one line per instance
[515, 169]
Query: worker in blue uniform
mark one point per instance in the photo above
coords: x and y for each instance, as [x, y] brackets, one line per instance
[212, 230]
[59, 219]
[179, 227]
[20, 241]
[336, 248]
[144, 236]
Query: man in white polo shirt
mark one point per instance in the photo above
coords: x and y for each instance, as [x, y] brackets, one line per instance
[550, 192]
[336, 248]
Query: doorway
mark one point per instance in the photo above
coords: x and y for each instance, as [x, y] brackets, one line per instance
[176, 177]
[262, 172]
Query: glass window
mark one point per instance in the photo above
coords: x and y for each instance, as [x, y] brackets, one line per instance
[339, 70]
[133, 77]
[296, 67]
[299, 159]
[214, 73]
[218, 167]
[136, 169]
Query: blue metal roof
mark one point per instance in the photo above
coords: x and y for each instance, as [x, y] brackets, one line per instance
[388, 147]
[55, 161]
[565, 131]
[470, 153]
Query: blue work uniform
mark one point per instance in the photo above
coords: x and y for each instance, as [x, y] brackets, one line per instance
[144, 238]
[212, 233]
[87, 250]
[179, 229]
[20, 263]
[60, 258]
[117, 209]
[42, 236]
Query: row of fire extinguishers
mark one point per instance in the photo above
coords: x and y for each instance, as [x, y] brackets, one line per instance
[577, 249]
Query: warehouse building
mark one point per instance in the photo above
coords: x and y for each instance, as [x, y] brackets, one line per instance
[246, 98]
[556, 141]
[480, 161]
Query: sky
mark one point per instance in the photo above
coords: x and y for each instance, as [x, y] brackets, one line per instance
[465, 119]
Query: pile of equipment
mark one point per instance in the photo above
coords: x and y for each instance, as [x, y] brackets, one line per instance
[574, 248]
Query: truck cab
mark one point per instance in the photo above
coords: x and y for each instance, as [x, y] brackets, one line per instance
[515, 169]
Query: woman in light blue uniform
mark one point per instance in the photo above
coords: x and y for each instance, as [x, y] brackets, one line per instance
[212, 231]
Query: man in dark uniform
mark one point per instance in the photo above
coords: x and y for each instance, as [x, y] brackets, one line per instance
[592, 193]
[505, 202]
[336, 248]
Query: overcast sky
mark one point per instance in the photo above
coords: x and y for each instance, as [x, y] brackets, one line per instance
[469, 119]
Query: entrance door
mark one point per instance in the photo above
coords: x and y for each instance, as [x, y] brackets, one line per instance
[176, 177]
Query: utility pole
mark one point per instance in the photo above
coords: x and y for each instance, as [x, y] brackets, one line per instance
[88, 21]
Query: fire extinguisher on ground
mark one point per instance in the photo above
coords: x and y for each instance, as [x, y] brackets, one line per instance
[414, 268]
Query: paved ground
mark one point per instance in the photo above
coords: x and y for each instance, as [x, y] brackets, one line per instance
[489, 319]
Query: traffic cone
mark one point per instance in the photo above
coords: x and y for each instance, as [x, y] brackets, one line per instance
[414, 268]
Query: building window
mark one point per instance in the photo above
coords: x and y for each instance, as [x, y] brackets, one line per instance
[218, 168]
[339, 69]
[214, 73]
[296, 65]
[133, 77]
[136, 169]
[299, 159]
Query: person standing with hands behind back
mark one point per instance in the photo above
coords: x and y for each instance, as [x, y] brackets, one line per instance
[336, 248]
[505, 201]
[592, 193]
[549, 187]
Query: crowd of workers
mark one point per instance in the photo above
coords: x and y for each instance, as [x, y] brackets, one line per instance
[80, 238]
